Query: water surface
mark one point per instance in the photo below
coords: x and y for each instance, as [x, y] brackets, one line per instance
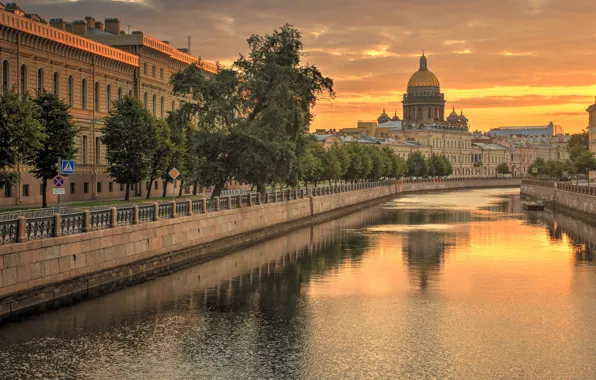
[459, 284]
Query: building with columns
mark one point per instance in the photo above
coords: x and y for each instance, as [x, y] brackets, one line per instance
[89, 64]
[592, 126]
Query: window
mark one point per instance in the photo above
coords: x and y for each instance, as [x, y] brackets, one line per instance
[84, 94]
[97, 150]
[41, 189]
[154, 105]
[39, 80]
[25, 190]
[96, 96]
[156, 185]
[8, 191]
[111, 186]
[86, 187]
[5, 77]
[153, 71]
[84, 150]
[144, 68]
[147, 185]
[160, 73]
[56, 84]
[120, 93]
[70, 90]
[130, 93]
[72, 188]
[99, 187]
[108, 98]
[121, 187]
[173, 105]
[145, 100]
[161, 107]
[23, 89]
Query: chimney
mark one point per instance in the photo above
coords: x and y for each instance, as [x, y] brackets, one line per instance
[58, 23]
[112, 25]
[79, 27]
[99, 25]
[90, 22]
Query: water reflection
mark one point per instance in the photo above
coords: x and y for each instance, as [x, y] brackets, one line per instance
[447, 285]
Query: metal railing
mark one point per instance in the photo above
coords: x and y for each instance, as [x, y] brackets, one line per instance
[9, 230]
[40, 228]
[125, 216]
[71, 224]
[35, 213]
[197, 207]
[182, 208]
[164, 211]
[146, 214]
[100, 220]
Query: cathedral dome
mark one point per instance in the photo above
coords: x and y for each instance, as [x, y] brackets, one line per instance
[423, 77]
[395, 117]
[383, 118]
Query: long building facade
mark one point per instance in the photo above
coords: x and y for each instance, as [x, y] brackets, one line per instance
[89, 64]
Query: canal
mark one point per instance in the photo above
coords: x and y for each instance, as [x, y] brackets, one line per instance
[459, 284]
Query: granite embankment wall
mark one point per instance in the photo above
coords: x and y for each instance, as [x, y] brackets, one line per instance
[47, 273]
[580, 201]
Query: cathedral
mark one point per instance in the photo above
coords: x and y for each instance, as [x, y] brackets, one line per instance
[424, 104]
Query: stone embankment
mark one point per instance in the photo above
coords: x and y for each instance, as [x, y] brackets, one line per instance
[47, 262]
[579, 201]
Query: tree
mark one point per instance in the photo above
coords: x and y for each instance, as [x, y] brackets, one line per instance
[437, 166]
[379, 163]
[540, 166]
[448, 166]
[343, 156]
[577, 144]
[180, 129]
[417, 165]
[256, 114]
[21, 134]
[310, 166]
[60, 131]
[162, 154]
[129, 136]
[584, 163]
[503, 168]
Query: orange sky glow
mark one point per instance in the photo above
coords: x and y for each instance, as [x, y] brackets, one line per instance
[507, 62]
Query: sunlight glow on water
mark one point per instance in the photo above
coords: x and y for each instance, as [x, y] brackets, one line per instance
[438, 285]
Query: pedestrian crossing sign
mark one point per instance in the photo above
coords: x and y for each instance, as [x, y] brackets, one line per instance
[68, 167]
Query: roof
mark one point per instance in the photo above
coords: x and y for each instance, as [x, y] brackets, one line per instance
[390, 125]
[490, 146]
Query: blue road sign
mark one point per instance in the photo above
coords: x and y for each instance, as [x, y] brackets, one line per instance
[58, 181]
[68, 167]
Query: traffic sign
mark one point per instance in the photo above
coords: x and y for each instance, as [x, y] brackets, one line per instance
[534, 170]
[59, 191]
[174, 173]
[58, 181]
[68, 167]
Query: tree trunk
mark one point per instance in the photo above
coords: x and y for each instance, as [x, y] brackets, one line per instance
[195, 189]
[44, 186]
[149, 189]
[127, 195]
[217, 189]
[165, 189]
[181, 187]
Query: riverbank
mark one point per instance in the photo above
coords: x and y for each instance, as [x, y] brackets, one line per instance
[55, 271]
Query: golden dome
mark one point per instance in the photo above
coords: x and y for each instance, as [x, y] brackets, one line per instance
[423, 77]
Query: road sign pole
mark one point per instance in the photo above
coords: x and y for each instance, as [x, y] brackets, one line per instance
[60, 172]
[175, 182]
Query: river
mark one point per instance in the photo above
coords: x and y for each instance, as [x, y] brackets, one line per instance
[460, 284]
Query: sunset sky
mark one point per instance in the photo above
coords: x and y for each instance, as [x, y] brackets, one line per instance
[506, 62]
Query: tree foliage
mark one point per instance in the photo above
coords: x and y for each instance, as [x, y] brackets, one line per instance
[417, 165]
[503, 168]
[59, 142]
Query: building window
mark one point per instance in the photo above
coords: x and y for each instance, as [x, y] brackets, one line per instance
[5, 77]
[56, 84]
[144, 68]
[121, 187]
[41, 189]
[96, 96]
[154, 105]
[156, 185]
[70, 90]
[173, 105]
[161, 107]
[97, 150]
[72, 188]
[109, 97]
[84, 150]
[99, 187]
[39, 80]
[23, 80]
[84, 94]
[160, 73]
[8, 191]
[130, 93]
[153, 71]
[86, 187]
[120, 93]
[25, 190]
[145, 100]
[111, 186]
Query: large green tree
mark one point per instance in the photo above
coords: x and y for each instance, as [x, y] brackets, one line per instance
[180, 128]
[503, 168]
[540, 165]
[21, 134]
[129, 136]
[578, 143]
[255, 113]
[162, 154]
[56, 120]
[437, 165]
[584, 163]
[417, 165]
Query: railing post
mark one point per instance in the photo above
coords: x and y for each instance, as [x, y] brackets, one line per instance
[229, 202]
[249, 200]
[155, 211]
[114, 217]
[258, 198]
[266, 197]
[136, 215]
[22, 230]
[216, 203]
[204, 204]
[87, 221]
[173, 209]
[190, 207]
[240, 201]
[57, 225]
